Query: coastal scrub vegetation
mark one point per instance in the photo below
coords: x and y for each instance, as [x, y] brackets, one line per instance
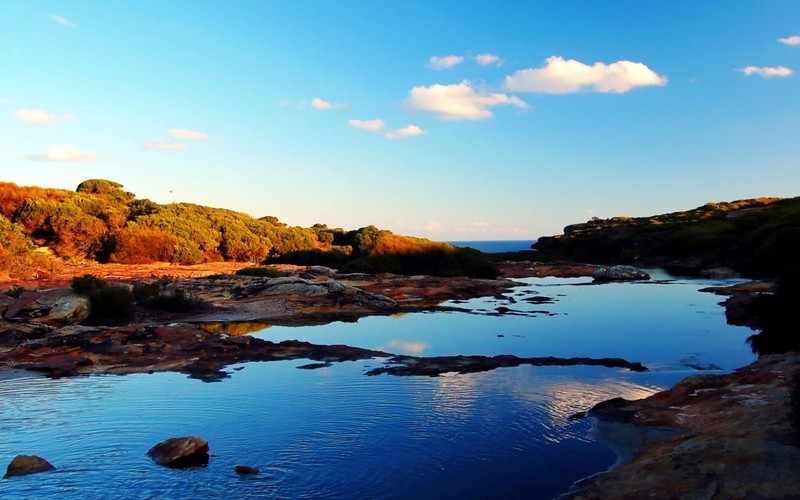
[755, 237]
[372, 250]
[41, 228]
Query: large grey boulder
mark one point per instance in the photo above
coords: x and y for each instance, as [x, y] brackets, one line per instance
[27, 464]
[619, 273]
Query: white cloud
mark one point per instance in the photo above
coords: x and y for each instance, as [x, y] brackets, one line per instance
[165, 146]
[39, 117]
[445, 62]
[790, 40]
[488, 59]
[458, 101]
[371, 125]
[182, 133]
[409, 131]
[65, 152]
[63, 22]
[766, 71]
[324, 105]
[565, 76]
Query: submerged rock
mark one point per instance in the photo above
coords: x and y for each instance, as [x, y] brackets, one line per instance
[179, 453]
[246, 470]
[27, 464]
[619, 273]
[438, 365]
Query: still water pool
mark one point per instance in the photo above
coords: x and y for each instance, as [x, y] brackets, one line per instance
[336, 433]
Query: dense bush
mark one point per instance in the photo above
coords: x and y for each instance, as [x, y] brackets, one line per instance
[14, 291]
[108, 301]
[381, 251]
[136, 244]
[18, 256]
[777, 315]
[262, 272]
[756, 237]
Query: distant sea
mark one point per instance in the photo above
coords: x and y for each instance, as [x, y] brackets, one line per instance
[494, 246]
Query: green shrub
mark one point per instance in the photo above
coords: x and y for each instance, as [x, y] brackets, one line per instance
[108, 301]
[146, 291]
[14, 291]
[262, 272]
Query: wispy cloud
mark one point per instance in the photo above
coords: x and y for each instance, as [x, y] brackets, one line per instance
[458, 101]
[566, 76]
[371, 125]
[766, 71]
[488, 60]
[325, 105]
[39, 117]
[408, 131]
[445, 62]
[65, 152]
[192, 135]
[165, 146]
[790, 40]
[63, 22]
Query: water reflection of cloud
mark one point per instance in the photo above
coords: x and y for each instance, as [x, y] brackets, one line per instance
[408, 347]
[560, 397]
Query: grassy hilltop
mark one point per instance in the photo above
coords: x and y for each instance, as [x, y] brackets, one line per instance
[758, 237]
[41, 228]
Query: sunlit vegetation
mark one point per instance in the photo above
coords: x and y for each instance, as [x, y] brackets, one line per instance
[19, 258]
[372, 250]
[757, 237]
[100, 221]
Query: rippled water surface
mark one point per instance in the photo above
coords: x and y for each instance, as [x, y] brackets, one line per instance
[336, 433]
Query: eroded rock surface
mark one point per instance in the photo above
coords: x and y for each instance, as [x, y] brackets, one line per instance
[731, 438]
[619, 273]
[528, 269]
[55, 307]
[147, 348]
[437, 365]
[179, 453]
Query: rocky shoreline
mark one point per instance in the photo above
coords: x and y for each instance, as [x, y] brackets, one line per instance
[723, 436]
[47, 331]
[709, 436]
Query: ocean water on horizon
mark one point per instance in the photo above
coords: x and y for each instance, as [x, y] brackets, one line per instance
[336, 433]
[496, 246]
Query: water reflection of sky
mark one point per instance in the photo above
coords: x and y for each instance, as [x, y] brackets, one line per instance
[661, 324]
[334, 432]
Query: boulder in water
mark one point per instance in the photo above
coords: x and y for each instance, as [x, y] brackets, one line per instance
[180, 453]
[246, 470]
[27, 464]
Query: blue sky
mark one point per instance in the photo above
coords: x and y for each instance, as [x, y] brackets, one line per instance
[447, 120]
